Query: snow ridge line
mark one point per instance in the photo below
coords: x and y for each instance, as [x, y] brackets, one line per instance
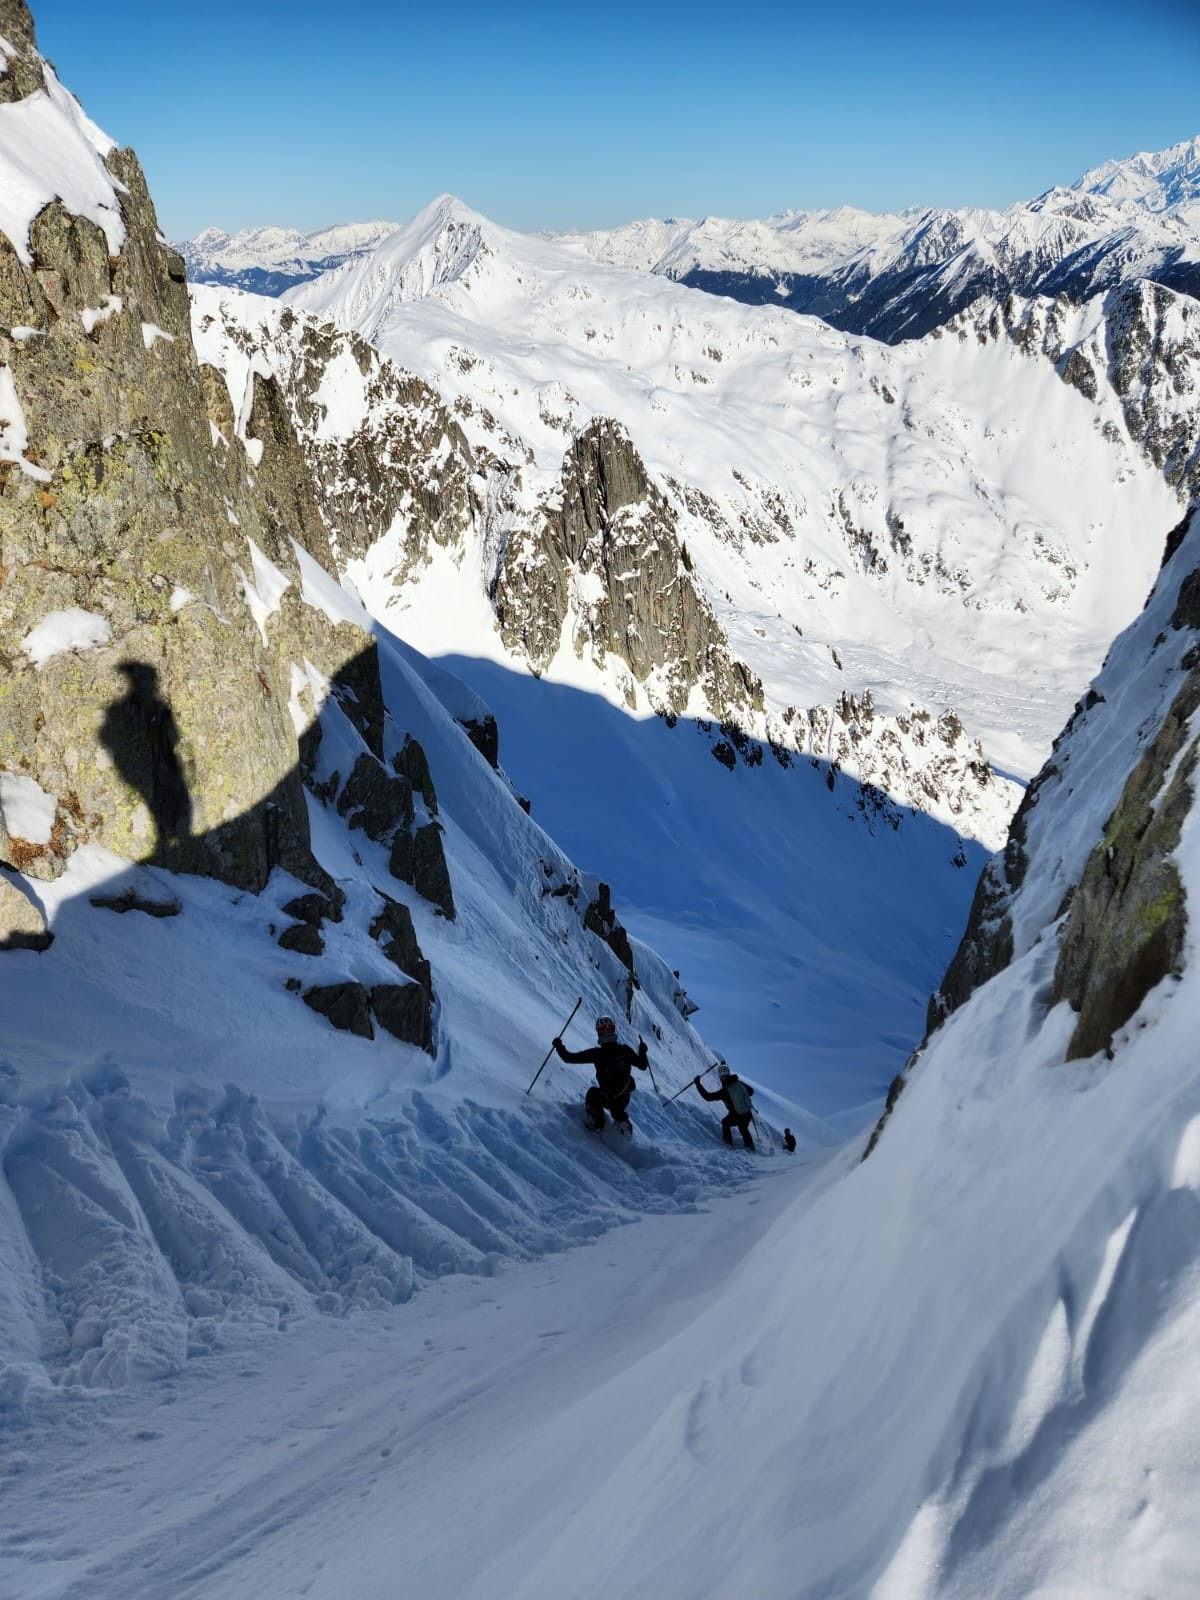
[154, 1241]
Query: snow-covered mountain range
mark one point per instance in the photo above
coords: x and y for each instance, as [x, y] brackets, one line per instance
[815, 480]
[894, 276]
[897, 276]
[269, 260]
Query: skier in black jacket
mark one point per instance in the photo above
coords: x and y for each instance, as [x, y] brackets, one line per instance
[735, 1096]
[613, 1062]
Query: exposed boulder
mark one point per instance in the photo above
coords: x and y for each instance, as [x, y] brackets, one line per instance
[403, 1009]
[393, 928]
[484, 734]
[314, 908]
[346, 1006]
[375, 801]
[412, 763]
[601, 919]
[431, 875]
[22, 923]
[150, 905]
[304, 938]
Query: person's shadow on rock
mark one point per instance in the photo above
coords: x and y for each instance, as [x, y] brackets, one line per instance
[141, 734]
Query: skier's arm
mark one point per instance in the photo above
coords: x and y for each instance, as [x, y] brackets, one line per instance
[714, 1094]
[578, 1056]
[641, 1060]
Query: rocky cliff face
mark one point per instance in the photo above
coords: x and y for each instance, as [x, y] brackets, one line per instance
[605, 553]
[127, 530]
[182, 681]
[168, 665]
[1088, 859]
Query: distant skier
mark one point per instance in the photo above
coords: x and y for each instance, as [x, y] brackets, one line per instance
[613, 1062]
[735, 1095]
[789, 1141]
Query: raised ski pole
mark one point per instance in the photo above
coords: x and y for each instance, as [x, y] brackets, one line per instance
[650, 1070]
[559, 1035]
[690, 1081]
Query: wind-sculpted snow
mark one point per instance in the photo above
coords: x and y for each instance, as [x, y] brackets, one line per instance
[161, 1235]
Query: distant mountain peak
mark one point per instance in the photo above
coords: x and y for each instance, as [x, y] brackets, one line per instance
[1156, 180]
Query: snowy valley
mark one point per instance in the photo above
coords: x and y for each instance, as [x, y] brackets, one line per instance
[494, 633]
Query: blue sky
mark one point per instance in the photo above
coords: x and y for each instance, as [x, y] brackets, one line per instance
[586, 114]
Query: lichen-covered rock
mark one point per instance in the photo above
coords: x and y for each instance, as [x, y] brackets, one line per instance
[140, 513]
[1125, 929]
[22, 924]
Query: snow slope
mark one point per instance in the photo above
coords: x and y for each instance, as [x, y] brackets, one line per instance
[191, 1155]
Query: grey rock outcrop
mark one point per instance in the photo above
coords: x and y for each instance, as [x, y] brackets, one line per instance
[1125, 930]
[612, 526]
[345, 1005]
[393, 928]
[403, 1010]
[417, 857]
[601, 919]
[22, 923]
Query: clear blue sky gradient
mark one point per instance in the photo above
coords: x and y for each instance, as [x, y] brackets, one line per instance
[588, 115]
